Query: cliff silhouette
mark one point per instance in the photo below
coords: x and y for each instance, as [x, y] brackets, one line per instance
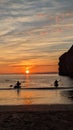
[66, 63]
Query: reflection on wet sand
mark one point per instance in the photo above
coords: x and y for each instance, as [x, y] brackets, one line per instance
[68, 94]
[18, 91]
[28, 98]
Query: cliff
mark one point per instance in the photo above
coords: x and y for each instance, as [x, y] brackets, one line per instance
[66, 63]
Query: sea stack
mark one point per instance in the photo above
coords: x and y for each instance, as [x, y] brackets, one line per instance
[66, 63]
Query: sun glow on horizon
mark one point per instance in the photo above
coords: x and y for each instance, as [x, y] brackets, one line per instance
[27, 71]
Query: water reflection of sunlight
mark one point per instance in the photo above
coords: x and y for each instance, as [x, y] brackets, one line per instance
[27, 81]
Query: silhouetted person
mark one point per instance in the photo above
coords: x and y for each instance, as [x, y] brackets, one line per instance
[17, 85]
[56, 83]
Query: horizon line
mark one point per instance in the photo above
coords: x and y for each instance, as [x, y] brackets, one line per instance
[32, 73]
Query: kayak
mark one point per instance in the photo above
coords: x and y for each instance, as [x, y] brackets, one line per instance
[17, 87]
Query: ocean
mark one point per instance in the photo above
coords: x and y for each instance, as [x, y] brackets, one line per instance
[35, 96]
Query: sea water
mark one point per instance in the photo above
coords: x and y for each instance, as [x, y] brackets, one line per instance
[35, 96]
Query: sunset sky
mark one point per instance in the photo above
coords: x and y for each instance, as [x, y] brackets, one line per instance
[33, 34]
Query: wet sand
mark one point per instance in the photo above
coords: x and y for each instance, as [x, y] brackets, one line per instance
[36, 117]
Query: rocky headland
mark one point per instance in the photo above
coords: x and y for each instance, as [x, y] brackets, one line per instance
[66, 63]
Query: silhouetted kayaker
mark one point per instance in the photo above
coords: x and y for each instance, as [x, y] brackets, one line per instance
[56, 83]
[17, 85]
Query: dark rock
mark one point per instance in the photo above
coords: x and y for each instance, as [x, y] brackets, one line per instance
[66, 63]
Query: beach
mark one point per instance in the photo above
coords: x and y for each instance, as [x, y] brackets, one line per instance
[36, 117]
[37, 105]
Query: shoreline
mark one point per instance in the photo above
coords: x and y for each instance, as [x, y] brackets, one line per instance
[36, 107]
[39, 88]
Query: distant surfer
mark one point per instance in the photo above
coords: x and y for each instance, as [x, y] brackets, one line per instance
[17, 85]
[56, 83]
